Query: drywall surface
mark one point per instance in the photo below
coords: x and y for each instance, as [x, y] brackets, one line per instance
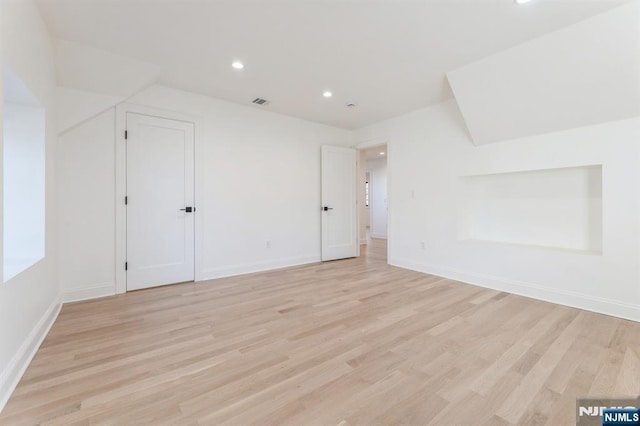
[432, 151]
[75, 106]
[86, 178]
[257, 182]
[29, 301]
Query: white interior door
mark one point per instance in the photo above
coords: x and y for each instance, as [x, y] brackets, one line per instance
[160, 201]
[339, 203]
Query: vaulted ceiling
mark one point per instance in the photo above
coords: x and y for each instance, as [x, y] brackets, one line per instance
[386, 56]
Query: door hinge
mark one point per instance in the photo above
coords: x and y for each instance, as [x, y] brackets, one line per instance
[126, 200]
[126, 266]
[126, 134]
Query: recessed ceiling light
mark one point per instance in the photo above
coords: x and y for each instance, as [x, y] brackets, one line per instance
[382, 153]
[327, 94]
[521, 1]
[237, 65]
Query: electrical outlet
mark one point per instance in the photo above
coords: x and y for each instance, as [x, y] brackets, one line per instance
[268, 244]
[423, 246]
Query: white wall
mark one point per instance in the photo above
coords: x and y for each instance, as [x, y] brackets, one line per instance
[29, 302]
[257, 180]
[550, 94]
[86, 178]
[378, 197]
[432, 150]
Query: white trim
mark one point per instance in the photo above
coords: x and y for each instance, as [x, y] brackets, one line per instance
[363, 241]
[567, 298]
[121, 186]
[389, 197]
[10, 377]
[248, 268]
[86, 293]
[120, 193]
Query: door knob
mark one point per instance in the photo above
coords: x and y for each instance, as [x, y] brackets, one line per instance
[325, 208]
[188, 209]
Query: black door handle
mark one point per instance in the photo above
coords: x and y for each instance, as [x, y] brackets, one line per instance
[188, 209]
[325, 208]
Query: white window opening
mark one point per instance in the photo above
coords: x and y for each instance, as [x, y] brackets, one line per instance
[23, 177]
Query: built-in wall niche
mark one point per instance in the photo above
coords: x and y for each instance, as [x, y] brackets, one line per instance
[23, 185]
[552, 208]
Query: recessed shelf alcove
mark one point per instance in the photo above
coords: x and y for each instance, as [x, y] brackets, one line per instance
[552, 208]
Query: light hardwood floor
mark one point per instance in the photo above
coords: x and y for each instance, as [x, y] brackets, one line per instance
[353, 342]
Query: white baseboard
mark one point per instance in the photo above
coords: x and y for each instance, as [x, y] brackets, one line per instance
[85, 293]
[567, 298]
[10, 378]
[230, 271]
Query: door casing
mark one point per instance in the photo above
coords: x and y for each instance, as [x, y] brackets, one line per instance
[158, 194]
[121, 187]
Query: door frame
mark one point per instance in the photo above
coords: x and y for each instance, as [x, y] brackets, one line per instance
[357, 200]
[370, 143]
[121, 185]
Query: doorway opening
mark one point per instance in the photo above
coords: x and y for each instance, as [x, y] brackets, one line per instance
[373, 211]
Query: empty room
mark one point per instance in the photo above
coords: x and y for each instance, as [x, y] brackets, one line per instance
[320, 212]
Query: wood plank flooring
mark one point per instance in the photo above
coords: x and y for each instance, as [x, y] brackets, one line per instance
[352, 342]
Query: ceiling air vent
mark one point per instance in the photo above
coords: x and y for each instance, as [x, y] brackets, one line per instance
[260, 101]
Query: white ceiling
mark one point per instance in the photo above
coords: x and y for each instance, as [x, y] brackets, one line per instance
[388, 56]
[537, 88]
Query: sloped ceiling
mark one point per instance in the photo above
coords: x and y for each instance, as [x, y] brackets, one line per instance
[77, 106]
[585, 74]
[389, 57]
[91, 81]
[84, 68]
